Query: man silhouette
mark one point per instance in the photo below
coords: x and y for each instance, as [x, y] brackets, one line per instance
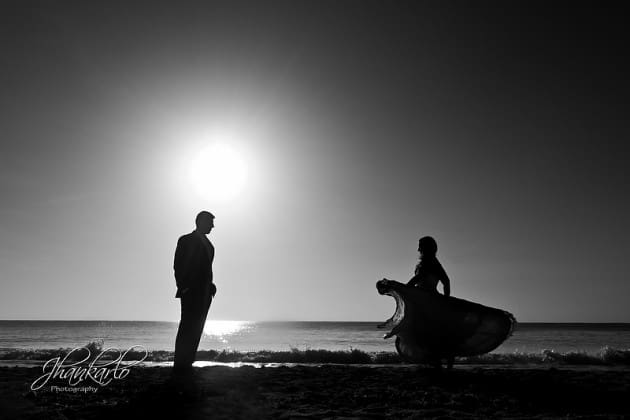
[193, 274]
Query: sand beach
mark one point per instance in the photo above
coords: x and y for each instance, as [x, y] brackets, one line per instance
[331, 392]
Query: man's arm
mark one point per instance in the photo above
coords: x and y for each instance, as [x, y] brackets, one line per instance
[182, 265]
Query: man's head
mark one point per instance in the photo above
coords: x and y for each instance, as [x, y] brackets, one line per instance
[204, 222]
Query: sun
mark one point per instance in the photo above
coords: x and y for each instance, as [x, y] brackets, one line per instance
[218, 172]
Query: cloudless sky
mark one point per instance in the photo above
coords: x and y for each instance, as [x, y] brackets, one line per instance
[499, 129]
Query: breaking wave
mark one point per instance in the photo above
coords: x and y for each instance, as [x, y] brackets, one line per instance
[607, 356]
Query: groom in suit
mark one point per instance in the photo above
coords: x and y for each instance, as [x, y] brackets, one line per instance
[193, 275]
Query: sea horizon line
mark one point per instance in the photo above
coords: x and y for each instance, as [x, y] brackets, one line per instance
[301, 321]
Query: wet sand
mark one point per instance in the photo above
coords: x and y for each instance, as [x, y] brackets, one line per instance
[330, 391]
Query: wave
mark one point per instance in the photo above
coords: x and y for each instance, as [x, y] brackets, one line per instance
[607, 356]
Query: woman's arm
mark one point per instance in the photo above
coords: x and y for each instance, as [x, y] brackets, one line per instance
[446, 282]
[414, 281]
[417, 276]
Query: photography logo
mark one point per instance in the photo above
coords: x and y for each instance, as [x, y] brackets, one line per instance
[82, 371]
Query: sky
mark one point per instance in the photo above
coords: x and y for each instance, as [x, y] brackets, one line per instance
[499, 129]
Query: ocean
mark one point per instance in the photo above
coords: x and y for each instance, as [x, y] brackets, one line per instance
[246, 336]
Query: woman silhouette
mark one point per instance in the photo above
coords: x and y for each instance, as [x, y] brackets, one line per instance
[429, 271]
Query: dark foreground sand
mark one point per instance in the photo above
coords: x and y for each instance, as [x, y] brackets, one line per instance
[331, 392]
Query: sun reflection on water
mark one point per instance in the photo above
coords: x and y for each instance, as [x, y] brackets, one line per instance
[221, 330]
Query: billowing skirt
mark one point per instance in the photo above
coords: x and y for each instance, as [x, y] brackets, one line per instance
[430, 326]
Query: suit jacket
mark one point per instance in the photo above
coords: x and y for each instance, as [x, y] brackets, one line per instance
[193, 262]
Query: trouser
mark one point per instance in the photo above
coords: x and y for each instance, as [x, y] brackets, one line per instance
[195, 306]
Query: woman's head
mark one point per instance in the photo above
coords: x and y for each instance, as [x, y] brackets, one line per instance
[427, 246]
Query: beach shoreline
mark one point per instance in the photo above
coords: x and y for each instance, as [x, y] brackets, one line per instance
[328, 391]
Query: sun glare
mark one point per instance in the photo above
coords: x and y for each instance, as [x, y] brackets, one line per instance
[218, 172]
[221, 330]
